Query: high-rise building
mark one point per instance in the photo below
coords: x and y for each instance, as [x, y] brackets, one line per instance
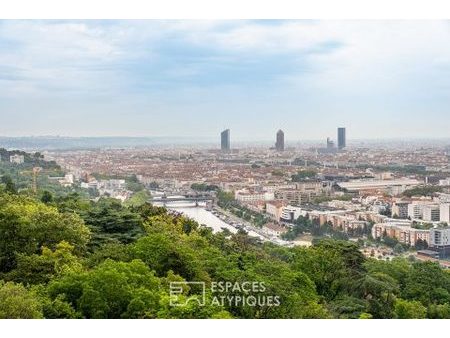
[279, 145]
[342, 142]
[330, 143]
[225, 140]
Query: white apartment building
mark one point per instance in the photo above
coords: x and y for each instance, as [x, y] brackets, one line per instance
[17, 159]
[444, 198]
[113, 184]
[415, 211]
[249, 197]
[445, 212]
[89, 185]
[440, 237]
[445, 182]
[431, 213]
[291, 213]
[394, 186]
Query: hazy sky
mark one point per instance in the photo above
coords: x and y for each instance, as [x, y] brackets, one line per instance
[195, 78]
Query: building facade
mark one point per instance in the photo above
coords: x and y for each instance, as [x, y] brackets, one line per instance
[400, 210]
[279, 145]
[445, 213]
[440, 241]
[225, 140]
[431, 213]
[342, 138]
[17, 159]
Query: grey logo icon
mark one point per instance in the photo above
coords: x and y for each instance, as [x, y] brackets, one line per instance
[178, 289]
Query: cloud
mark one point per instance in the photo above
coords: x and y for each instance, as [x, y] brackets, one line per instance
[308, 71]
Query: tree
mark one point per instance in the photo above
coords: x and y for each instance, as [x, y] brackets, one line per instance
[204, 187]
[421, 244]
[302, 175]
[138, 198]
[163, 251]
[405, 309]
[427, 283]
[46, 197]
[379, 290]
[110, 221]
[324, 267]
[10, 187]
[18, 303]
[109, 289]
[26, 226]
[225, 198]
[439, 311]
[48, 269]
[133, 184]
[38, 269]
[348, 307]
[398, 268]
[398, 248]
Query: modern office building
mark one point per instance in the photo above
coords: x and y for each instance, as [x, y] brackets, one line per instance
[279, 145]
[225, 140]
[342, 142]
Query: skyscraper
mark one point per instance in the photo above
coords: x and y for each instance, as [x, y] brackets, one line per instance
[225, 140]
[342, 142]
[279, 145]
[330, 143]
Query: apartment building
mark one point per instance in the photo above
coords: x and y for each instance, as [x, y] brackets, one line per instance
[431, 213]
[17, 159]
[400, 209]
[248, 196]
[445, 182]
[275, 209]
[445, 213]
[417, 208]
[440, 241]
[304, 192]
[291, 213]
[401, 232]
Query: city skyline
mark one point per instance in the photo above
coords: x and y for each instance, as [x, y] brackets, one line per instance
[190, 78]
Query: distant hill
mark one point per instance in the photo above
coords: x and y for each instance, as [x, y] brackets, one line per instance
[64, 143]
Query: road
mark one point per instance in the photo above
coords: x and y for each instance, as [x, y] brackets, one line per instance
[249, 227]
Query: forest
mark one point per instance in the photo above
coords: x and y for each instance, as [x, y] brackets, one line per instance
[65, 256]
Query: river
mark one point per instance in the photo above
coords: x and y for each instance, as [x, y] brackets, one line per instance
[202, 216]
[205, 217]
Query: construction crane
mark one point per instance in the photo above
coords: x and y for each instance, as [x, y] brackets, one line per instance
[34, 173]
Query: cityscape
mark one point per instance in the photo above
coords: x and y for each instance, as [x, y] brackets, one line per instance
[402, 194]
[186, 169]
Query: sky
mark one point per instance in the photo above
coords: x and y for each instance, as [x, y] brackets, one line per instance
[379, 79]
